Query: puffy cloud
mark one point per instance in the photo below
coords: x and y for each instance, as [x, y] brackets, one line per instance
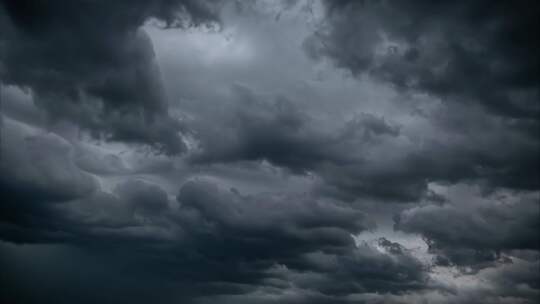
[481, 52]
[39, 164]
[37, 174]
[89, 63]
[473, 233]
[476, 57]
[369, 156]
[259, 208]
[215, 241]
[299, 224]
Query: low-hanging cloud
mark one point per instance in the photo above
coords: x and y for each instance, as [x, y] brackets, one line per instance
[89, 62]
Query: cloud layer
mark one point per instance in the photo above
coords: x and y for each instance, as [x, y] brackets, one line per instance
[199, 152]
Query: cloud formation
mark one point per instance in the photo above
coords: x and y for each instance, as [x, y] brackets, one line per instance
[473, 233]
[89, 62]
[481, 52]
[179, 151]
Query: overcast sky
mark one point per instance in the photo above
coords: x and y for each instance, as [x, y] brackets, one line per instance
[259, 151]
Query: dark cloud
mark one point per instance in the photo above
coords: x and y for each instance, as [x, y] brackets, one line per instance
[364, 269]
[315, 251]
[38, 164]
[100, 164]
[369, 156]
[37, 173]
[474, 234]
[509, 279]
[472, 52]
[218, 241]
[90, 63]
[277, 131]
[475, 56]
[228, 220]
[415, 181]
[257, 129]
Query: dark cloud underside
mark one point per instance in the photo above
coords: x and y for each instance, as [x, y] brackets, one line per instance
[185, 151]
[88, 62]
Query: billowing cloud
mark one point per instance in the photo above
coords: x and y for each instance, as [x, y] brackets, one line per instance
[89, 62]
[481, 52]
[182, 151]
[219, 241]
[473, 233]
[37, 173]
[369, 156]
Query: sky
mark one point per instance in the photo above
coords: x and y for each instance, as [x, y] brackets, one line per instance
[259, 151]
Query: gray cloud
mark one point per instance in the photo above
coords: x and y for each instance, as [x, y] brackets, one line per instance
[481, 52]
[37, 173]
[368, 156]
[473, 233]
[89, 63]
[283, 178]
[218, 241]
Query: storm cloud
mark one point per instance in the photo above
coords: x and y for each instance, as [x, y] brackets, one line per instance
[178, 151]
[475, 232]
[90, 63]
[482, 52]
